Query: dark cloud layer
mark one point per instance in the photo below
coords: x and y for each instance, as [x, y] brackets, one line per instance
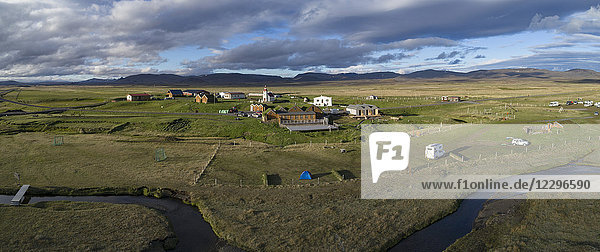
[108, 38]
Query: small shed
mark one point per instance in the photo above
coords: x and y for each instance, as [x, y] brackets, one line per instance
[306, 175]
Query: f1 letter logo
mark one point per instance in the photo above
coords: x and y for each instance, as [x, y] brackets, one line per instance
[388, 152]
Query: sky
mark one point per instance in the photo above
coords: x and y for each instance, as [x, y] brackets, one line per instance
[78, 40]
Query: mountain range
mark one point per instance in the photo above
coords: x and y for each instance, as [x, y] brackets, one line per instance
[238, 79]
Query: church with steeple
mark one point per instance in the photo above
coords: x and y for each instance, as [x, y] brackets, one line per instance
[267, 96]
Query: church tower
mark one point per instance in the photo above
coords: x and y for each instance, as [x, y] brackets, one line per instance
[268, 96]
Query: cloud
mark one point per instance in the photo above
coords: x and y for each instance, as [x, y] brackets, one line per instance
[479, 56]
[538, 22]
[108, 38]
[74, 37]
[380, 21]
[295, 55]
[587, 22]
[445, 55]
[454, 62]
[462, 53]
[558, 61]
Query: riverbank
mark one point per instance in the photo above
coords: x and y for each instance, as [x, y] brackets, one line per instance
[312, 217]
[98, 226]
[535, 225]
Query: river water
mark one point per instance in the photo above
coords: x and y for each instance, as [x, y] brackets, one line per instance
[441, 234]
[195, 234]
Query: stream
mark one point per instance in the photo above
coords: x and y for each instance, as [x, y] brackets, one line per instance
[195, 234]
[443, 233]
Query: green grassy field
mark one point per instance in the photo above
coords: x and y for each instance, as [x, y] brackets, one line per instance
[81, 226]
[220, 160]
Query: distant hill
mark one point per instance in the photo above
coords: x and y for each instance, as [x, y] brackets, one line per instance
[10, 83]
[574, 74]
[238, 79]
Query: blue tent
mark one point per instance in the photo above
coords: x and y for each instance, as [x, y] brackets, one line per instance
[305, 175]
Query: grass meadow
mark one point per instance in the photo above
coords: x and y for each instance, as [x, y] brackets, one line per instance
[113, 146]
[81, 226]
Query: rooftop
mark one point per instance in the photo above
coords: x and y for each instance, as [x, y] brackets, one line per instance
[310, 127]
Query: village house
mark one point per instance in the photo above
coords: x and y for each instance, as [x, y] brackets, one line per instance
[322, 101]
[194, 92]
[451, 98]
[206, 98]
[372, 97]
[174, 93]
[138, 97]
[297, 119]
[233, 95]
[363, 110]
[257, 107]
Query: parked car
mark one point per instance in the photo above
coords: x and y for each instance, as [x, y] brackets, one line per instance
[580, 102]
[554, 104]
[570, 103]
[520, 142]
[596, 113]
[588, 103]
[597, 104]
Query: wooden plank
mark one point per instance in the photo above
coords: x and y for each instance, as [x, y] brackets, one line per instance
[19, 196]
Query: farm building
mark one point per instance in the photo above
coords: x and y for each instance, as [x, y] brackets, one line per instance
[363, 110]
[451, 98]
[175, 93]
[297, 119]
[233, 95]
[194, 92]
[257, 107]
[322, 101]
[267, 96]
[138, 97]
[206, 98]
[372, 97]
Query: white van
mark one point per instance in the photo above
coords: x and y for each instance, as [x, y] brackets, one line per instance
[520, 142]
[588, 103]
[434, 151]
[554, 104]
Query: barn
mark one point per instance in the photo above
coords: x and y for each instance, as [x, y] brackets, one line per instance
[138, 97]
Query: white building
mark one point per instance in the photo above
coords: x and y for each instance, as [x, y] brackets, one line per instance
[267, 96]
[233, 95]
[363, 110]
[138, 97]
[322, 101]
